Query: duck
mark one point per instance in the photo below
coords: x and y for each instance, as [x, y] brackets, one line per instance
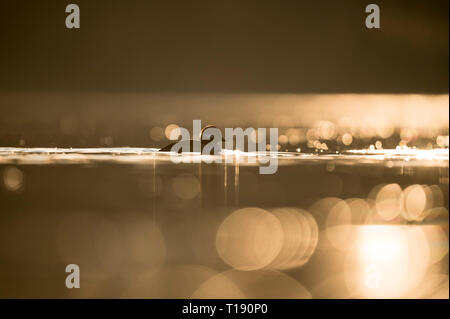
[189, 144]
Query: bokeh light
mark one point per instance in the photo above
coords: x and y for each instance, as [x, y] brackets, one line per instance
[13, 178]
[249, 239]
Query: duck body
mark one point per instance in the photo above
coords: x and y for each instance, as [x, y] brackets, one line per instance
[192, 145]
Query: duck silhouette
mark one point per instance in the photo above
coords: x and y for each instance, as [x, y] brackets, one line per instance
[191, 144]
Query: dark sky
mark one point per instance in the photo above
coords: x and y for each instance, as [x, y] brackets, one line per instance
[225, 46]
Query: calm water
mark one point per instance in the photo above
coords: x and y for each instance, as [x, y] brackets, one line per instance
[359, 224]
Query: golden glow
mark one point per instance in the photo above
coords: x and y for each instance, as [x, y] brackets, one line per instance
[301, 235]
[389, 201]
[13, 178]
[265, 284]
[347, 139]
[388, 261]
[172, 131]
[249, 239]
